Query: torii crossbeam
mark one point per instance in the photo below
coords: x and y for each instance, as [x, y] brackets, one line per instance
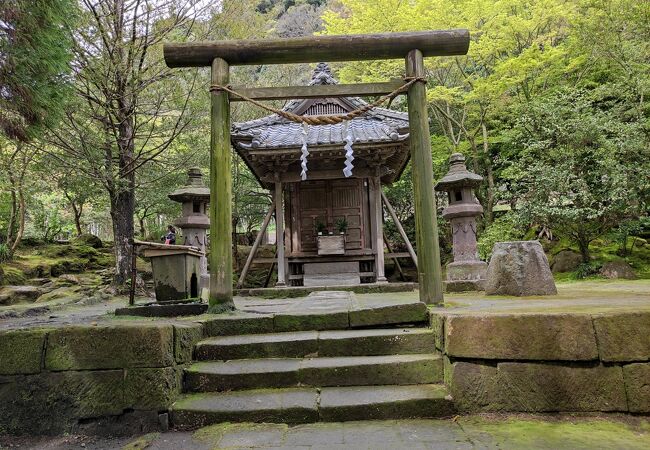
[413, 46]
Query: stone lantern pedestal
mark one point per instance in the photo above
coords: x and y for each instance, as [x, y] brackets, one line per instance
[194, 221]
[467, 272]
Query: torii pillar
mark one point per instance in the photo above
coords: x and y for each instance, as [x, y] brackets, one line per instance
[220, 55]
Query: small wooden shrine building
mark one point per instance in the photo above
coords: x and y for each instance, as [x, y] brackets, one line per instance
[327, 199]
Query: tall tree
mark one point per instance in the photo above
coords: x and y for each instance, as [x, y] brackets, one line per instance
[129, 108]
[34, 63]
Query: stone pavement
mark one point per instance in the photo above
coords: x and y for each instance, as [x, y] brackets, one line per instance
[466, 432]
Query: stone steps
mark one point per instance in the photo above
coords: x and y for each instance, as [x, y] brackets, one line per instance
[318, 372]
[305, 405]
[363, 342]
[313, 316]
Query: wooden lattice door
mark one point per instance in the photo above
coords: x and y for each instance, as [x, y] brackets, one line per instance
[327, 201]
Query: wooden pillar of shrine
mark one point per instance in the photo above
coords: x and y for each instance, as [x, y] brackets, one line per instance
[426, 223]
[220, 193]
[377, 233]
[279, 234]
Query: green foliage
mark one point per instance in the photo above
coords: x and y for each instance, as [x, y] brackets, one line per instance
[4, 253]
[587, 270]
[34, 72]
[582, 170]
[504, 228]
[341, 225]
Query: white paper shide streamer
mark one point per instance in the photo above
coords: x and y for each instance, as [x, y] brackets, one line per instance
[304, 153]
[349, 153]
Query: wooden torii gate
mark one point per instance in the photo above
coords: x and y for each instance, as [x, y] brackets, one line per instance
[220, 55]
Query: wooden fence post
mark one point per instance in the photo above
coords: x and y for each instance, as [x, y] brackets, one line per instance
[426, 224]
[220, 193]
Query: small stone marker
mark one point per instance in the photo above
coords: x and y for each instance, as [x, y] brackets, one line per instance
[519, 268]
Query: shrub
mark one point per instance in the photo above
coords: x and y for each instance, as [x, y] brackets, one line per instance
[4, 253]
[503, 228]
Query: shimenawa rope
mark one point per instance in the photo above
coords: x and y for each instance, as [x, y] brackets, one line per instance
[323, 119]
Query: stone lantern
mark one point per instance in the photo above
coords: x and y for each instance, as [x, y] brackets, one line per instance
[194, 221]
[466, 272]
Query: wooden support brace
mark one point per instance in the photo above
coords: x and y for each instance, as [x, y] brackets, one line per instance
[256, 244]
[400, 229]
[395, 260]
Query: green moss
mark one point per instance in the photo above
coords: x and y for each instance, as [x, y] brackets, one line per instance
[141, 442]
[13, 276]
[212, 435]
[568, 433]
[21, 351]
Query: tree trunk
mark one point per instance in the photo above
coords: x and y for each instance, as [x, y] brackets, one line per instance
[21, 222]
[583, 245]
[489, 206]
[141, 223]
[122, 209]
[77, 217]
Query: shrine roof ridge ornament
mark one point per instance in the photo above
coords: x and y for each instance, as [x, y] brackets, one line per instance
[355, 47]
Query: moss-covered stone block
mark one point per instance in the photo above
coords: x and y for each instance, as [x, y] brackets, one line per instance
[549, 337]
[637, 385]
[474, 387]
[437, 324]
[151, 389]
[185, 338]
[21, 351]
[88, 393]
[532, 387]
[53, 403]
[624, 336]
[370, 315]
[302, 322]
[228, 325]
[110, 347]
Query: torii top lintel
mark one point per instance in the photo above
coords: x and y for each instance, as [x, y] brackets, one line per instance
[355, 47]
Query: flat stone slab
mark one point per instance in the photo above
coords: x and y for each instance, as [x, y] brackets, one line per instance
[360, 342]
[384, 402]
[304, 405]
[297, 405]
[323, 310]
[464, 433]
[335, 371]
[160, 310]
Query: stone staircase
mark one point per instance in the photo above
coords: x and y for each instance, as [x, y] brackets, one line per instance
[387, 370]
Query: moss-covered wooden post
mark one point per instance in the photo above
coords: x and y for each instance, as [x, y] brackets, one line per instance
[220, 193]
[426, 223]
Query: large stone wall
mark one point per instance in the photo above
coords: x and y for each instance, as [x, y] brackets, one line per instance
[98, 379]
[547, 362]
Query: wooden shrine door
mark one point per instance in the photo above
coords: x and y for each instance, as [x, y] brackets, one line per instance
[328, 201]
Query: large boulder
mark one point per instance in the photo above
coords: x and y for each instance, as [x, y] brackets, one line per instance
[88, 239]
[519, 268]
[617, 269]
[566, 261]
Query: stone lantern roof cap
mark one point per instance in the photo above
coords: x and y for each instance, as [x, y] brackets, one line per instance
[194, 188]
[458, 175]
